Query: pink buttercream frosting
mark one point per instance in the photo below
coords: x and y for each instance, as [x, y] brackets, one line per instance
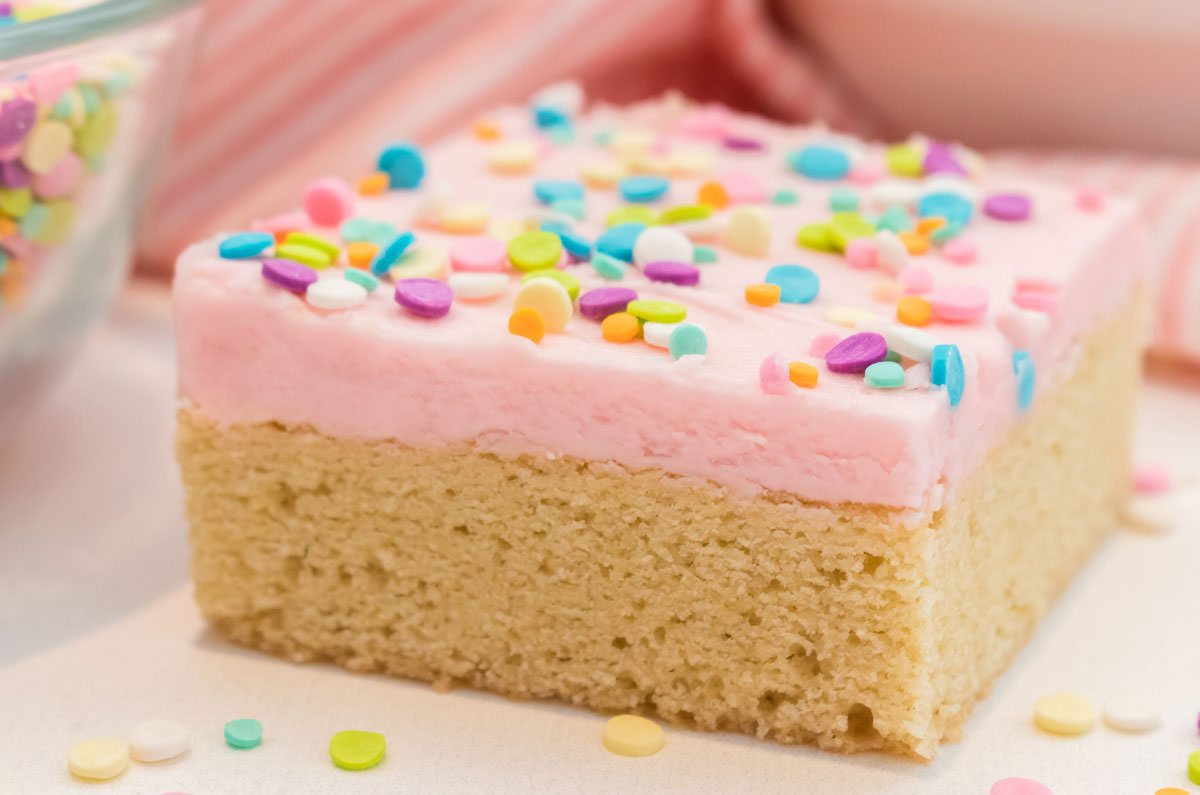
[252, 352]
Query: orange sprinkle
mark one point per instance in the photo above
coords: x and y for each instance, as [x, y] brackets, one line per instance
[712, 194]
[914, 242]
[8, 227]
[802, 374]
[913, 310]
[762, 294]
[281, 235]
[927, 225]
[373, 184]
[527, 323]
[620, 327]
[486, 129]
[360, 253]
[886, 290]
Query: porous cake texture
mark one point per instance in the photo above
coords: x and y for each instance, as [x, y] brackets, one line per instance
[850, 625]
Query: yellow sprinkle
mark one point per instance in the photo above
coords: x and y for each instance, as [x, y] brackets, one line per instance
[849, 316]
[422, 262]
[630, 735]
[467, 219]
[749, 231]
[689, 162]
[602, 175]
[512, 157]
[549, 299]
[505, 228]
[98, 759]
[1064, 713]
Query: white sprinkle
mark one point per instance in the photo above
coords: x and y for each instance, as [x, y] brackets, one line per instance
[662, 244]
[658, 334]
[1132, 712]
[336, 294]
[476, 286]
[156, 740]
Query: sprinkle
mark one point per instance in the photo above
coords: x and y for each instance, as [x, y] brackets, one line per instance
[1151, 479]
[773, 375]
[911, 343]
[642, 188]
[960, 251]
[548, 191]
[329, 201]
[940, 159]
[946, 369]
[1038, 299]
[962, 303]
[572, 207]
[630, 735]
[528, 323]
[856, 353]
[797, 284]
[618, 241]
[288, 274]
[1131, 712]
[244, 245]
[1022, 327]
[372, 184]
[569, 282]
[486, 129]
[403, 163]
[314, 241]
[686, 212]
[481, 253]
[679, 273]
[817, 236]
[891, 191]
[608, 267]
[913, 310]
[1090, 198]
[894, 219]
[158, 740]
[713, 194]
[361, 277]
[661, 244]
[1007, 206]
[703, 254]
[420, 262]
[950, 207]
[1025, 371]
[743, 143]
[243, 733]
[536, 250]
[657, 311]
[577, 246]
[476, 286]
[602, 176]
[914, 242]
[762, 294]
[915, 279]
[354, 750]
[46, 144]
[843, 200]
[98, 759]
[848, 316]
[893, 254]
[512, 157]
[844, 227]
[884, 375]
[1019, 786]
[631, 214]
[865, 173]
[784, 196]
[743, 188]
[601, 302]
[904, 160]
[748, 231]
[822, 343]
[550, 299]
[1064, 713]
[336, 294]
[1193, 768]
[391, 252]
[465, 219]
[426, 298]
[658, 334]
[802, 374]
[620, 327]
[945, 233]
[687, 339]
[819, 162]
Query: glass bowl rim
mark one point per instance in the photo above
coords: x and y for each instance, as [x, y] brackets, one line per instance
[82, 24]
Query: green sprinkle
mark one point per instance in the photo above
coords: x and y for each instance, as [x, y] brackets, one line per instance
[904, 160]
[884, 375]
[703, 254]
[243, 733]
[843, 200]
[15, 202]
[95, 134]
[687, 339]
[362, 277]
[571, 207]
[657, 311]
[609, 267]
[845, 227]
[784, 196]
[687, 212]
[562, 277]
[894, 220]
[352, 750]
[816, 236]
[90, 97]
[33, 220]
[946, 232]
[305, 255]
[314, 241]
[631, 214]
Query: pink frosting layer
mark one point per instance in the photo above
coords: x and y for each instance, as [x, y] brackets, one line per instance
[252, 352]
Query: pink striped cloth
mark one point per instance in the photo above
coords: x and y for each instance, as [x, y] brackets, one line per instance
[288, 90]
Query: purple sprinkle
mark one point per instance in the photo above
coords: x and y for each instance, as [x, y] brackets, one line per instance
[288, 274]
[604, 301]
[17, 117]
[856, 353]
[424, 297]
[672, 272]
[940, 159]
[6, 9]
[1007, 206]
[14, 174]
[743, 143]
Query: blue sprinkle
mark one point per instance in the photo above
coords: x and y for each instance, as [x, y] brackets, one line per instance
[797, 284]
[618, 241]
[355, 230]
[548, 191]
[403, 163]
[390, 254]
[571, 207]
[704, 254]
[549, 116]
[687, 339]
[843, 200]
[819, 162]
[245, 245]
[784, 196]
[947, 232]
[362, 277]
[1026, 374]
[609, 267]
[381, 232]
[550, 225]
[576, 244]
[642, 189]
[561, 133]
[946, 369]
[954, 208]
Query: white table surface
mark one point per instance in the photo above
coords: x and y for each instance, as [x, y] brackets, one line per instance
[98, 632]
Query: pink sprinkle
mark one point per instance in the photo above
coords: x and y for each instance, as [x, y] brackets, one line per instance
[61, 179]
[1090, 198]
[915, 280]
[1041, 300]
[711, 121]
[1019, 786]
[328, 201]
[960, 250]
[773, 374]
[1151, 479]
[865, 173]
[821, 344]
[478, 254]
[1022, 327]
[960, 303]
[743, 188]
[50, 82]
[280, 223]
[862, 253]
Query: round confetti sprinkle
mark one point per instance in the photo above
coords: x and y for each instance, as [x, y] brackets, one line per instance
[658, 334]
[915, 279]
[856, 353]
[549, 191]
[773, 374]
[893, 254]
[361, 277]
[819, 162]
[687, 212]
[288, 274]
[905, 160]
[305, 255]
[549, 299]
[843, 200]
[562, 277]
[742, 187]
[403, 163]
[243, 733]
[657, 311]
[1171, 791]
[618, 241]
[844, 227]
[527, 323]
[17, 117]
[687, 339]
[1090, 198]
[797, 284]
[328, 201]
[321, 244]
[390, 254]
[631, 735]
[762, 294]
[950, 206]
[713, 194]
[531, 251]
[1131, 712]
[578, 246]
[336, 294]
[1025, 372]
[884, 375]
[1007, 206]
[1064, 713]
[46, 144]
[478, 286]
[960, 303]
[157, 740]
[802, 374]
[662, 244]
[1193, 768]
[98, 759]
[946, 369]
[355, 750]
[1152, 479]
[601, 302]
[632, 214]
[609, 267]
[420, 262]
[960, 251]
[913, 310]
[245, 244]
[743, 143]
[620, 327]
[1019, 786]
[478, 254]
[784, 196]
[822, 343]
[642, 188]
[748, 231]
[427, 298]
[672, 273]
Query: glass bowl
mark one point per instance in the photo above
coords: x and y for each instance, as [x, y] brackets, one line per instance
[88, 100]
